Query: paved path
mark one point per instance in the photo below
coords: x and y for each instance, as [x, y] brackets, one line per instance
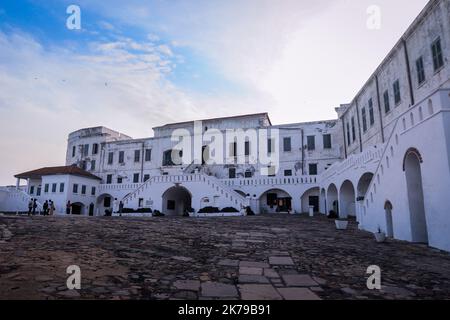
[263, 257]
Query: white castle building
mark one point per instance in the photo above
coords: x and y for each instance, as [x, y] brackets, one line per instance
[384, 161]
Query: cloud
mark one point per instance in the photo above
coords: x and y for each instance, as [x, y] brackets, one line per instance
[49, 92]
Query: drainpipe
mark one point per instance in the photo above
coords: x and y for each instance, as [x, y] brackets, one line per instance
[142, 162]
[303, 153]
[345, 140]
[379, 108]
[408, 70]
[359, 126]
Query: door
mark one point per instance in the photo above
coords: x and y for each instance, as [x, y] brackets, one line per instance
[314, 201]
[91, 209]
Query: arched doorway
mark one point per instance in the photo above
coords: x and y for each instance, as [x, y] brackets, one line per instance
[413, 174]
[104, 202]
[389, 223]
[347, 199]
[275, 201]
[361, 190]
[310, 198]
[332, 199]
[176, 200]
[77, 208]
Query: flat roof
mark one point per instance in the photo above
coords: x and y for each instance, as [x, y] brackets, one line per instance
[48, 171]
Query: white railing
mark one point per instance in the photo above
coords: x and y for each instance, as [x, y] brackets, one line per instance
[270, 181]
[19, 194]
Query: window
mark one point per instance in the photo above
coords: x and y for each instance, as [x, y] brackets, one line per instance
[83, 165]
[137, 155]
[371, 116]
[61, 187]
[86, 150]
[387, 106]
[92, 165]
[397, 95]
[231, 173]
[436, 49]
[74, 150]
[248, 174]
[54, 185]
[146, 177]
[313, 169]
[75, 188]
[95, 148]
[364, 119]
[107, 202]
[121, 156]
[270, 145]
[247, 148]
[31, 189]
[109, 179]
[148, 155]
[83, 189]
[93, 191]
[311, 142]
[420, 71]
[167, 157]
[110, 157]
[272, 199]
[327, 141]
[38, 191]
[288, 173]
[140, 202]
[348, 134]
[170, 204]
[119, 180]
[46, 188]
[287, 144]
[353, 129]
[136, 178]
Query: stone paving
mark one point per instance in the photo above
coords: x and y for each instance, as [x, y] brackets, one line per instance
[262, 257]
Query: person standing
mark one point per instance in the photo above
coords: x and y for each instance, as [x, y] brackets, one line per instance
[30, 206]
[45, 207]
[68, 206]
[51, 208]
[34, 206]
[120, 208]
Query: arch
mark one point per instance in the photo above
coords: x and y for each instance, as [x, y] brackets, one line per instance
[412, 167]
[77, 208]
[347, 199]
[275, 201]
[332, 199]
[310, 198]
[389, 222]
[363, 185]
[104, 202]
[413, 151]
[176, 201]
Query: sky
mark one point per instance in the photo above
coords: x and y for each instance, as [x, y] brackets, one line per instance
[134, 65]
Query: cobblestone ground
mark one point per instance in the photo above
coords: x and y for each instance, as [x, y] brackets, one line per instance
[263, 257]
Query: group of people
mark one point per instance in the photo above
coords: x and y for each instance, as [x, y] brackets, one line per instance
[48, 208]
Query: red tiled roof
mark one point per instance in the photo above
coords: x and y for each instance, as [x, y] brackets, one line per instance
[47, 171]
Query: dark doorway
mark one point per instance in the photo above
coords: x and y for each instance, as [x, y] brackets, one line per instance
[284, 205]
[91, 209]
[314, 201]
[76, 208]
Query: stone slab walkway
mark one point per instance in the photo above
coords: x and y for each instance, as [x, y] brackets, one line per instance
[263, 257]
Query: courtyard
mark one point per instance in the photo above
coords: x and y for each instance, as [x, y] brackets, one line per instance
[254, 257]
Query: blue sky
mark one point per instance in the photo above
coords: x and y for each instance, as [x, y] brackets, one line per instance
[137, 64]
